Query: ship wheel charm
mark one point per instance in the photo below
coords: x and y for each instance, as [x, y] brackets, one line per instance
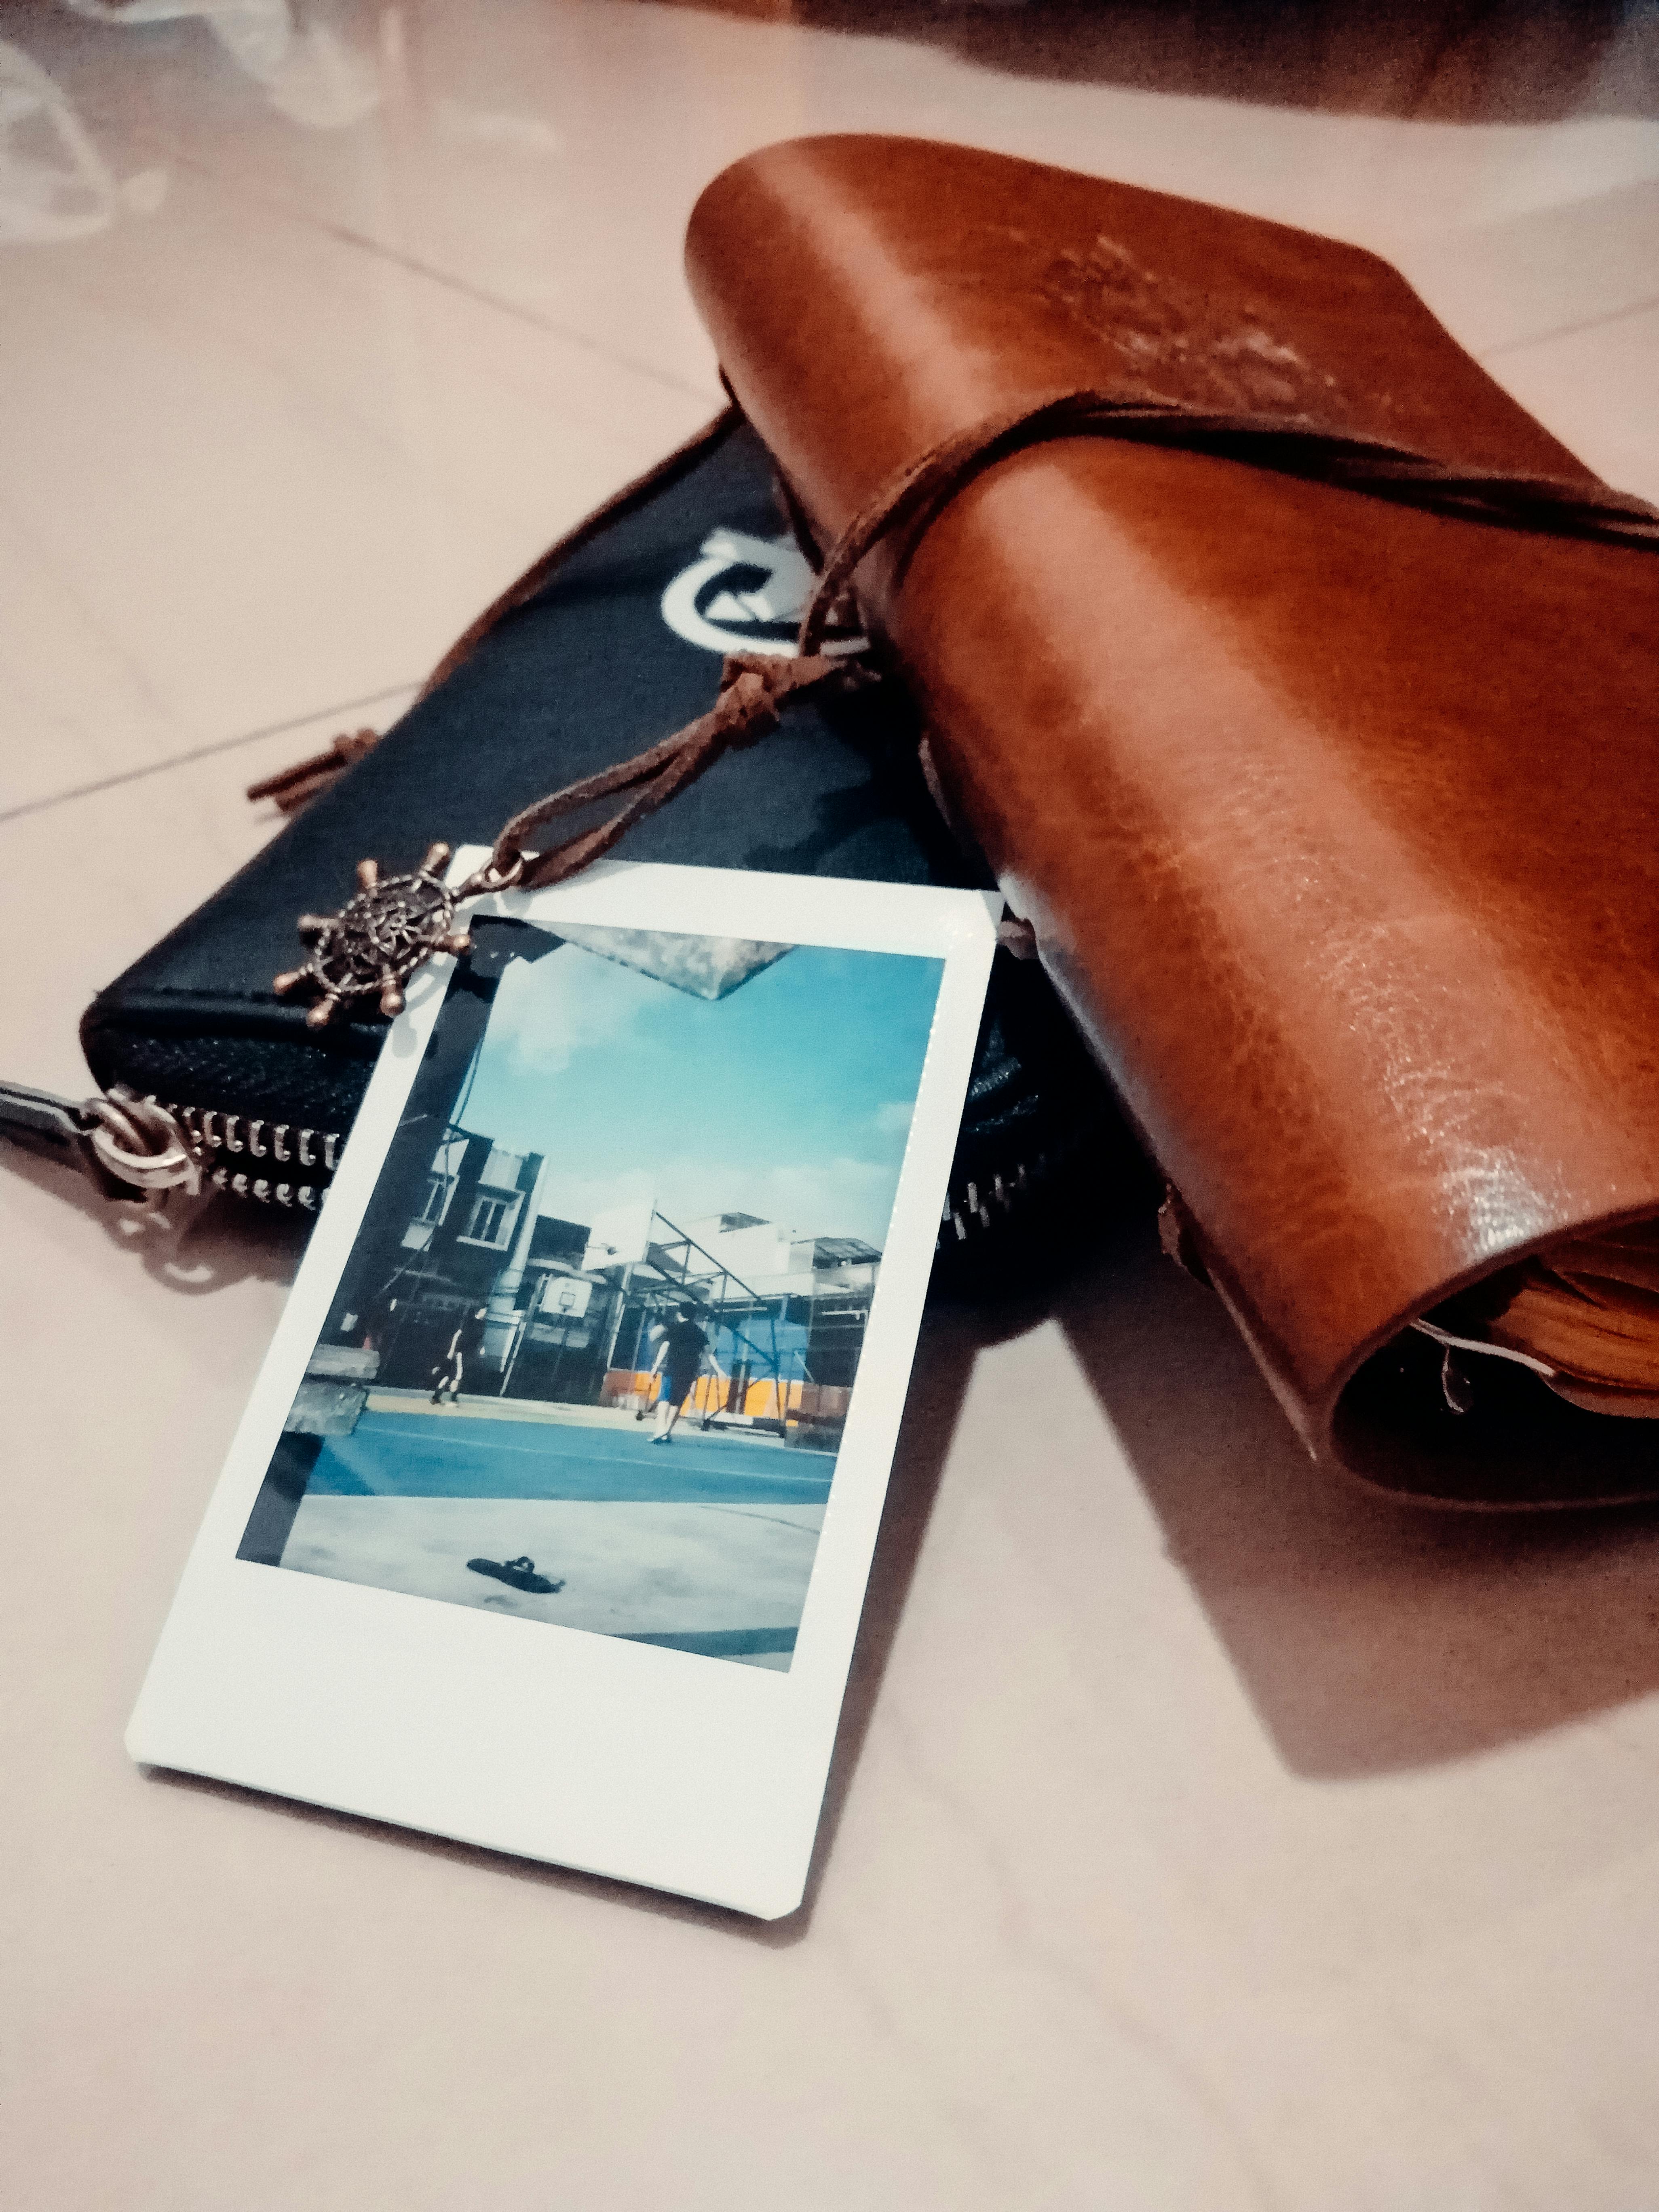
[379, 938]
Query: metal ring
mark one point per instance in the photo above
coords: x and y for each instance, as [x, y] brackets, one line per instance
[139, 1143]
[491, 877]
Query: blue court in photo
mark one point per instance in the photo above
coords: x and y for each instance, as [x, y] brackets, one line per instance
[593, 1355]
[401, 1456]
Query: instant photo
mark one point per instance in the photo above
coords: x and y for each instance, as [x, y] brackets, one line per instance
[591, 1358]
[547, 1522]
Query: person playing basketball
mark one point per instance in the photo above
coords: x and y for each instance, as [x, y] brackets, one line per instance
[680, 1357]
[467, 1344]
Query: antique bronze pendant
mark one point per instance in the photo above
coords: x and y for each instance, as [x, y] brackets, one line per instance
[379, 938]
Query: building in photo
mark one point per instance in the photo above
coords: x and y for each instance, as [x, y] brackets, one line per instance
[641, 1163]
[563, 1312]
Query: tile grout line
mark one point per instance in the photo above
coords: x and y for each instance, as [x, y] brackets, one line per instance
[343, 234]
[202, 752]
[1569, 330]
[459, 285]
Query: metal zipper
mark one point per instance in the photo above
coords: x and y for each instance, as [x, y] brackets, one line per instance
[972, 1207]
[982, 1203]
[209, 1131]
[144, 1147]
[151, 1147]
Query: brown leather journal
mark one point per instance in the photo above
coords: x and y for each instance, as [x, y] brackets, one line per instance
[1335, 818]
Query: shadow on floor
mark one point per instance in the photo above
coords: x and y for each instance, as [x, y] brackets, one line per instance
[1369, 1635]
[1444, 61]
[212, 1242]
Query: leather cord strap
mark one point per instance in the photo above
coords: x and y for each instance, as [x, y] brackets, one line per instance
[753, 687]
[914, 496]
[295, 786]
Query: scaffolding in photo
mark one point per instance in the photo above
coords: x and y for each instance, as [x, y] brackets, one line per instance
[765, 1370]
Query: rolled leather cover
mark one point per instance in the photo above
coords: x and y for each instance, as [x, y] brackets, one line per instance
[1338, 821]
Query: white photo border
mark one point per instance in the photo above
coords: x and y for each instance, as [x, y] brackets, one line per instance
[646, 1764]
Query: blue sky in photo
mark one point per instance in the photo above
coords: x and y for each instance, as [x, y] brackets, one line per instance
[790, 1098]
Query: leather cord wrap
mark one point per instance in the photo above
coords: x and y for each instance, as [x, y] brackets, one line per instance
[753, 687]
[913, 496]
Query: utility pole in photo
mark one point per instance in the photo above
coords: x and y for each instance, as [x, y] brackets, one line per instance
[503, 1301]
[538, 1296]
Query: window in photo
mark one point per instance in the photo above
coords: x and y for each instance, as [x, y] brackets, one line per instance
[595, 1350]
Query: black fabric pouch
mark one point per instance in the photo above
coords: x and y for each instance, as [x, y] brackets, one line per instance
[620, 643]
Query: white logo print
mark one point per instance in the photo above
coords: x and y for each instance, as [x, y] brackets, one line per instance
[744, 595]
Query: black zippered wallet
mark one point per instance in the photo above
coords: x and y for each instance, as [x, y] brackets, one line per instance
[621, 643]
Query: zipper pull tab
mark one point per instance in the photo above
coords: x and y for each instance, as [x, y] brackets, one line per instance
[141, 1144]
[129, 1148]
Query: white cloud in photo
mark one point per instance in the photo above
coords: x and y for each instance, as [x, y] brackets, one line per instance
[816, 1198]
[893, 1119]
[570, 1195]
[549, 1010]
[777, 1097]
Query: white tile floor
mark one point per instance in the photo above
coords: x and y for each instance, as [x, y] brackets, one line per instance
[1206, 1836]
